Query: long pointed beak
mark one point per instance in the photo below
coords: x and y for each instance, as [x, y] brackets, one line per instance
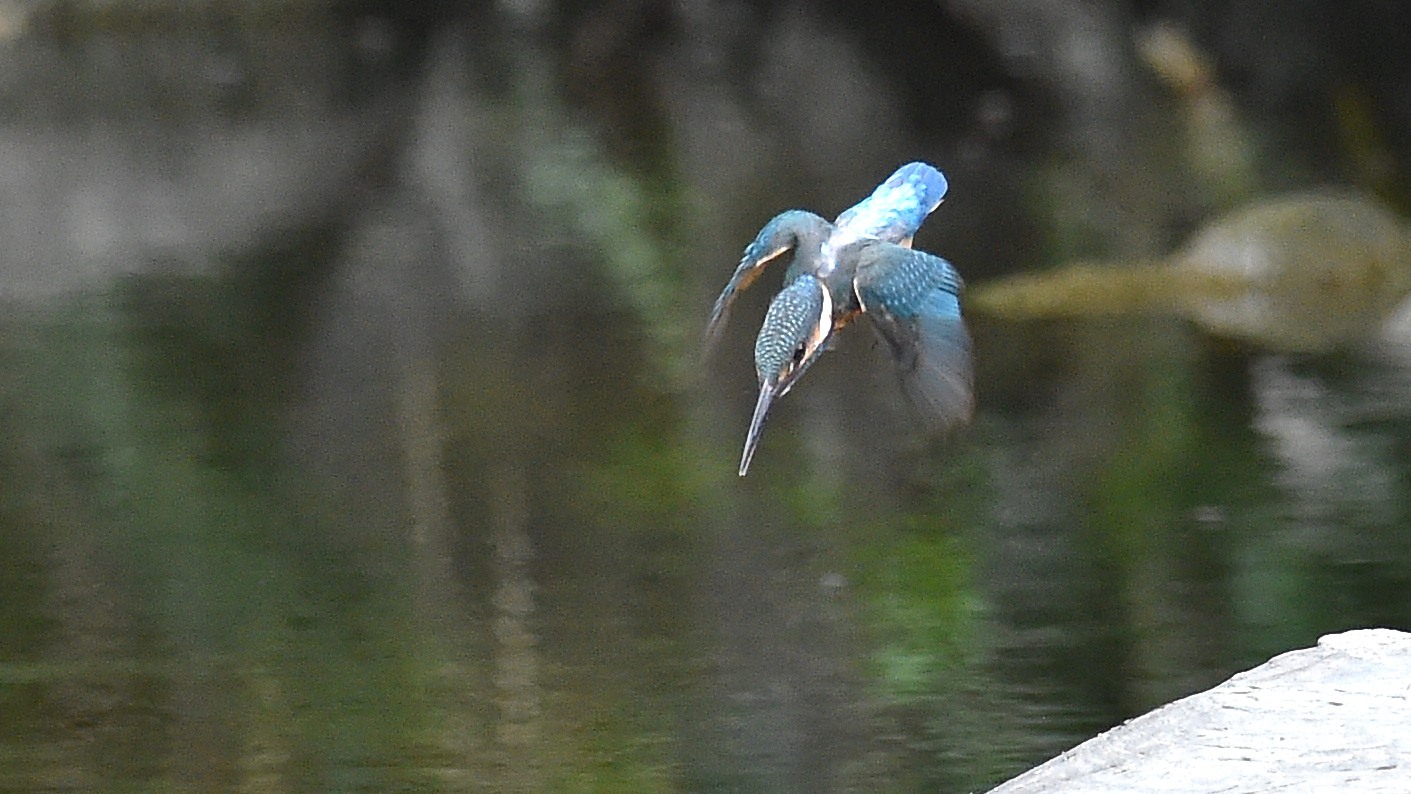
[767, 393]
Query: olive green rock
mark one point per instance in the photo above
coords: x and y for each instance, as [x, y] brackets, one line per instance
[1305, 272]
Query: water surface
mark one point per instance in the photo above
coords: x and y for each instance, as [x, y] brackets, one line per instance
[355, 436]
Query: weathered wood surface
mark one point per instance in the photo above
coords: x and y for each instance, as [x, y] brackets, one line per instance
[1333, 718]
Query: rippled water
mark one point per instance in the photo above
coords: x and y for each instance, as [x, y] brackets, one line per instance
[355, 438]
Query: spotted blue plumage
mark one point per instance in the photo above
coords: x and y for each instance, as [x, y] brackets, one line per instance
[913, 299]
[809, 244]
[903, 280]
[862, 264]
[791, 315]
[896, 209]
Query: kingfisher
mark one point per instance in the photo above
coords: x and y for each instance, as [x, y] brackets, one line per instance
[860, 264]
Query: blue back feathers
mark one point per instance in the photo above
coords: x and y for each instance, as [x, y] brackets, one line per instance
[897, 207]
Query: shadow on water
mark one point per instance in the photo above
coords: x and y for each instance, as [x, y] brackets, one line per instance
[353, 436]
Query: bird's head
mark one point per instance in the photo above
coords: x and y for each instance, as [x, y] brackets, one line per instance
[795, 329]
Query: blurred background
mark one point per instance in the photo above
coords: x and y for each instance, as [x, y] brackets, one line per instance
[354, 434]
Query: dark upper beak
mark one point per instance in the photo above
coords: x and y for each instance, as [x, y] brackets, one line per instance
[767, 393]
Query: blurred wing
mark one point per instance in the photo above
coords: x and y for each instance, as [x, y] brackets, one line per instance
[913, 299]
[773, 242]
[897, 207]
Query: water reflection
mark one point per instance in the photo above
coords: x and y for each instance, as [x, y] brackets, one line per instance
[388, 465]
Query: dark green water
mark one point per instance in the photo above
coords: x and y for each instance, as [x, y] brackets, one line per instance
[353, 436]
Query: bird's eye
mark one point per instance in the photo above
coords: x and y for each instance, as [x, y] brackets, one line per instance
[799, 353]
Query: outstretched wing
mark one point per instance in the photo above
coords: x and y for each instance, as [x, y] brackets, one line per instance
[913, 299]
[778, 239]
[897, 207]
